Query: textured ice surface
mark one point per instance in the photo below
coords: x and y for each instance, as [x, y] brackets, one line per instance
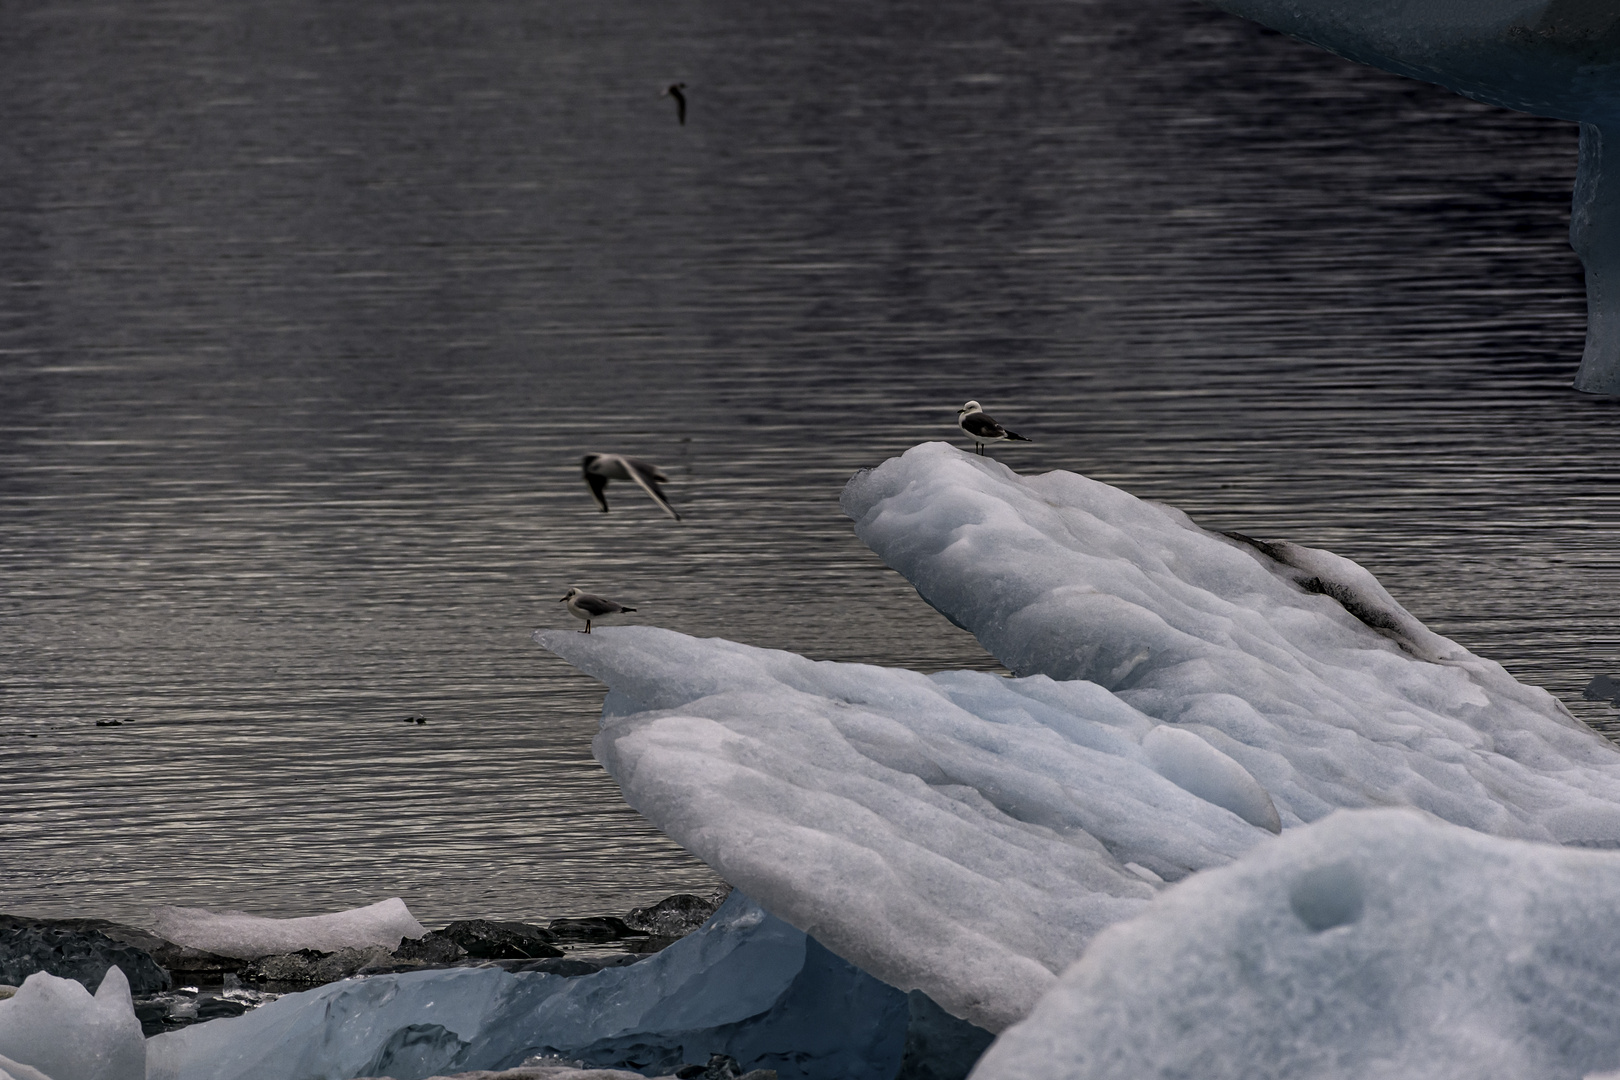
[248, 937]
[967, 835]
[57, 1027]
[1377, 943]
[16, 1070]
[962, 833]
[746, 984]
[1293, 662]
[1549, 57]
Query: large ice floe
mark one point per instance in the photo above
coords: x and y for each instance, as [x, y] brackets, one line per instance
[746, 984]
[1558, 58]
[1375, 944]
[1182, 694]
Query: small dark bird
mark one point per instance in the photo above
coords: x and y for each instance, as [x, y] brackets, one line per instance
[674, 91]
[983, 427]
[584, 605]
[600, 468]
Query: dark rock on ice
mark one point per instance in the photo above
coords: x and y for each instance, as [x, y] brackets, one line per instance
[571, 966]
[312, 968]
[431, 948]
[722, 1067]
[677, 915]
[1603, 688]
[82, 954]
[596, 928]
[487, 939]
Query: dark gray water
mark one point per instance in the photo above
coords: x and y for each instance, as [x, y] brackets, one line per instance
[307, 315]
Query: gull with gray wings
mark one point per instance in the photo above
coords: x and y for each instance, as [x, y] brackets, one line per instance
[589, 606]
[983, 427]
[600, 468]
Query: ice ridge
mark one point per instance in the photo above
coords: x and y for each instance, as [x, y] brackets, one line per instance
[1184, 694]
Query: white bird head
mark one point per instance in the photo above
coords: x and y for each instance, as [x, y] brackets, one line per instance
[573, 591]
[970, 407]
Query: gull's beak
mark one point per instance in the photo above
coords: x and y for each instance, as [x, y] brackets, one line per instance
[560, 599]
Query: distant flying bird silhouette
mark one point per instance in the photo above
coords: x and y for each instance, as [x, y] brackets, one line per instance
[584, 605]
[983, 427]
[674, 91]
[600, 468]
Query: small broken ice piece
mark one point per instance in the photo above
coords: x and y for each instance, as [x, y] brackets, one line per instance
[57, 1027]
[1603, 688]
[1373, 943]
[746, 984]
[248, 937]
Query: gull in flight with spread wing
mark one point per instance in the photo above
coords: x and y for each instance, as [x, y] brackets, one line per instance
[600, 468]
[587, 606]
[983, 427]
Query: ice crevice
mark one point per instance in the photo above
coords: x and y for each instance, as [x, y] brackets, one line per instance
[1182, 695]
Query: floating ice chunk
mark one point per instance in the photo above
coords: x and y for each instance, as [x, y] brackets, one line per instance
[58, 1028]
[248, 937]
[1549, 57]
[1294, 663]
[1373, 943]
[746, 984]
[961, 834]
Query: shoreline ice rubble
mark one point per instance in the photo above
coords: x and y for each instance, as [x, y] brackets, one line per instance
[968, 835]
[247, 937]
[1557, 58]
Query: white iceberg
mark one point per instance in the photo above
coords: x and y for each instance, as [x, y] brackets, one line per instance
[248, 937]
[1293, 662]
[56, 1027]
[1557, 58]
[746, 984]
[1377, 943]
[969, 835]
[960, 833]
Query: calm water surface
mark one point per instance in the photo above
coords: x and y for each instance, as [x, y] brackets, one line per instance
[307, 315]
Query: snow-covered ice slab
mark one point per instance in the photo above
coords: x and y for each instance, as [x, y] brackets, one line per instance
[1293, 662]
[1185, 695]
[746, 984]
[56, 1027]
[961, 834]
[248, 937]
[1377, 943]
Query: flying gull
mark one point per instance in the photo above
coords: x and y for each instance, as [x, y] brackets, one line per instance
[983, 427]
[600, 468]
[584, 605]
[674, 91]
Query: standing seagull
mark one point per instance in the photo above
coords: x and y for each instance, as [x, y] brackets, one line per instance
[584, 605]
[983, 427]
[674, 91]
[600, 468]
